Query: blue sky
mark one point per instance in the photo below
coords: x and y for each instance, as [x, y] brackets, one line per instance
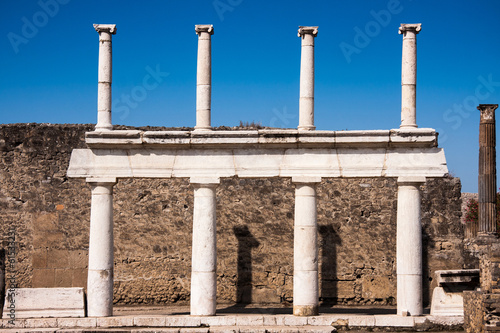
[49, 54]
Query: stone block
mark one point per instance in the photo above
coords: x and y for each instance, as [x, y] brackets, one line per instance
[46, 302]
[43, 278]
[217, 321]
[76, 322]
[40, 259]
[377, 286]
[57, 259]
[78, 259]
[361, 321]
[322, 320]
[345, 289]
[447, 303]
[125, 321]
[40, 323]
[253, 320]
[63, 277]
[393, 321]
[149, 321]
[79, 277]
[193, 330]
[294, 321]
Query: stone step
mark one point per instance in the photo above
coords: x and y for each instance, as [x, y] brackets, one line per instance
[227, 323]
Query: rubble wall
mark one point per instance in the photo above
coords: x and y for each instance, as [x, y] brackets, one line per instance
[49, 215]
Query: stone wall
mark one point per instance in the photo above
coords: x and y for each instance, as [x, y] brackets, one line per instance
[49, 214]
[482, 307]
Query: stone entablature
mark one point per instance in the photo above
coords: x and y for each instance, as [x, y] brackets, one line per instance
[263, 153]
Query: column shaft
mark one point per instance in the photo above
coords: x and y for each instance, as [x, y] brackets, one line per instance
[487, 183]
[306, 102]
[305, 252]
[409, 247]
[100, 271]
[204, 77]
[204, 259]
[104, 77]
[409, 75]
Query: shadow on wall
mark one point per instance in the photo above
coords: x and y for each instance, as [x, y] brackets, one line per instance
[246, 242]
[329, 240]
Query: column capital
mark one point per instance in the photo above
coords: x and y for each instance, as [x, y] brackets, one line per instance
[411, 180]
[487, 112]
[199, 28]
[308, 30]
[101, 181]
[204, 181]
[110, 28]
[306, 180]
[415, 27]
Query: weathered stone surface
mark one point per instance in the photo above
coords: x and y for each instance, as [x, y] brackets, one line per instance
[473, 311]
[44, 302]
[153, 223]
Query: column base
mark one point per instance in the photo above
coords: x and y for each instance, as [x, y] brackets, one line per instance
[408, 126]
[203, 128]
[306, 128]
[103, 128]
[305, 310]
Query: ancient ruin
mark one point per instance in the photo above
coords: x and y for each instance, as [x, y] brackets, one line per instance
[205, 156]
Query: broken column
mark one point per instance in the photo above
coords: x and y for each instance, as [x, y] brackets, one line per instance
[409, 75]
[204, 77]
[305, 248]
[100, 271]
[104, 77]
[409, 247]
[204, 257]
[487, 180]
[306, 102]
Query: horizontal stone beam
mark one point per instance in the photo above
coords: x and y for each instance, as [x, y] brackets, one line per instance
[252, 163]
[415, 137]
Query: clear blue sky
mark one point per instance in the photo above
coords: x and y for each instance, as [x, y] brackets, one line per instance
[49, 54]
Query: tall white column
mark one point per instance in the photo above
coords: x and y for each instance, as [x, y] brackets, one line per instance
[305, 248]
[409, 75]
[204, 77]
[204, 257]
[100, 271]
[306, 102]
[104, 77]
[409, 247]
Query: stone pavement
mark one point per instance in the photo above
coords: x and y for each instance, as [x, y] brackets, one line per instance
[235, 319]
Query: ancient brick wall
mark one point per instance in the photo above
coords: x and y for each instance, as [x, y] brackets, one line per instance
[50, 213]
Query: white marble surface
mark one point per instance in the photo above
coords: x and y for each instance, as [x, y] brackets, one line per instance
[44, 303]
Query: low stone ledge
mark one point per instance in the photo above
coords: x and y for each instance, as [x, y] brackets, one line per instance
[44, 302]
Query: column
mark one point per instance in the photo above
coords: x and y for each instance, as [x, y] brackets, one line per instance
[409, 75]
[487, 180]
[306, 102]
[105, 72]
[204, 77]
[100, 272]
[409, 247]
[204, 257]
[305, 248]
